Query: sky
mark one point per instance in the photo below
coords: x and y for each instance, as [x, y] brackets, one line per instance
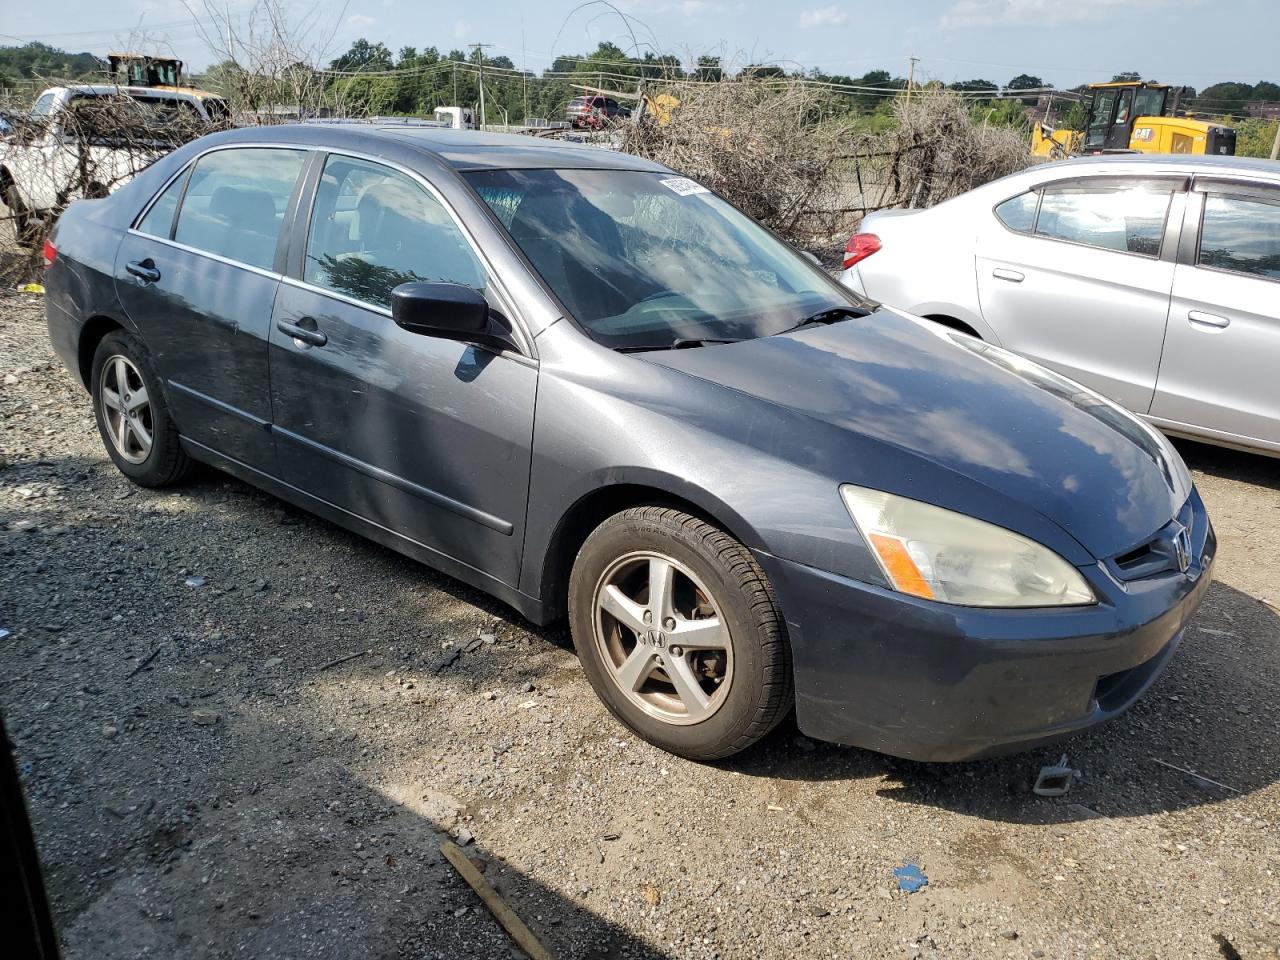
[1066, 42]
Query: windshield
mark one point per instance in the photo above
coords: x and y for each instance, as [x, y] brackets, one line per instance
[648, 259]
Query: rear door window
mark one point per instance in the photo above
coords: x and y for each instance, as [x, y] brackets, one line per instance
[1128, 220]
[235, 203]
[374, 228]
[1241, 235]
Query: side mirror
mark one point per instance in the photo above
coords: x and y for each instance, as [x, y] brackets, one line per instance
[447, 310]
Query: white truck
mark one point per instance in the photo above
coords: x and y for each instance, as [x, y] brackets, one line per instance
[456, 118]
[85, 140]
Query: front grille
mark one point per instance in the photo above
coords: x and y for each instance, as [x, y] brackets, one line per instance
[1168, 551]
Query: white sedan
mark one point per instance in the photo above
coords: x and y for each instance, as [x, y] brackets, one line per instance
[1155, 280]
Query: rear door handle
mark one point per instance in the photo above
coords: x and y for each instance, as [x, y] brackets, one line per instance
[312, 337]
[1208, 319]
[1013, 276]
[144, 270]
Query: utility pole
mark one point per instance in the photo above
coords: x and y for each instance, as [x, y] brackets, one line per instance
[911, 77]
[524, 73]
[231, 50]
[479, 49]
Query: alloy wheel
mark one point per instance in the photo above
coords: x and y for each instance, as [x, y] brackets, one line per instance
[662, 638]
[126, 409]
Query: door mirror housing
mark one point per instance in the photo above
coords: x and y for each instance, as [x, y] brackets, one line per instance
[451, 311]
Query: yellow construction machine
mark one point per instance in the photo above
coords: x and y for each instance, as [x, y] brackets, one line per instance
[1134, 117]
[162, 73]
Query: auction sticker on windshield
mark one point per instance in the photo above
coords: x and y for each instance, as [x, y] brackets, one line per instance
[683, 186]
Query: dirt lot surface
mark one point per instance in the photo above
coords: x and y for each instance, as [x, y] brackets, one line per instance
[208, 777]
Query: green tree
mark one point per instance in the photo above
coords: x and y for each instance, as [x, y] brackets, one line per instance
[1254, 137]
[364, 56]
[976, 86]
[1076, 116]
[1224, 98]
[709, 68]
[1025, 81]
[1001, 113]
[41, 61]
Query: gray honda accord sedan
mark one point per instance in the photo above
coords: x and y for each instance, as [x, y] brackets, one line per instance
[592, 388]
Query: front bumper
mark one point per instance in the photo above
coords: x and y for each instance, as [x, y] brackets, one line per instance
[938, 682]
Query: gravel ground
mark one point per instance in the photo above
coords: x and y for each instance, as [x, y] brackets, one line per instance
[206, 780]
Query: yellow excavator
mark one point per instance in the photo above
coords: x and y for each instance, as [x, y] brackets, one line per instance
[1134, 117]
[162, 73]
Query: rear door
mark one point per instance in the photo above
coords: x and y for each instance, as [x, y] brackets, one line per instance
[1076, 275]
[198, 274]
[1222, 352]
[425, 437]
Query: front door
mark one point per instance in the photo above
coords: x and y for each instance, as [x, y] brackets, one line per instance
[426, 437]
[1077, 282]
[200, 287]
[1222, 353]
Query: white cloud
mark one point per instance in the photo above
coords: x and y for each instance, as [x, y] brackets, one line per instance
[831, 16]
[461, 29]
[1046, 13]
[358, 21]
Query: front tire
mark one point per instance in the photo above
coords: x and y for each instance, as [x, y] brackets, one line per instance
[679, 633]
[133, 418]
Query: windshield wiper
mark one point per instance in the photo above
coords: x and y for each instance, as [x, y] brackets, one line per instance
[830, 315]
[679, 343]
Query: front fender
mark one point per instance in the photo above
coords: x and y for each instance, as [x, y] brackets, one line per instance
[594, 434]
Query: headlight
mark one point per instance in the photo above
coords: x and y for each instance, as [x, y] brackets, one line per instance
[941, 555]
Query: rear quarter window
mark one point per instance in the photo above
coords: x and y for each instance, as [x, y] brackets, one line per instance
[1019, 213]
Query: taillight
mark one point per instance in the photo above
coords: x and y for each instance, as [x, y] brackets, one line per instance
[859, 247]
[50, 254]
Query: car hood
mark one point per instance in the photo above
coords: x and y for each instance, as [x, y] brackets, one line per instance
[975, 410]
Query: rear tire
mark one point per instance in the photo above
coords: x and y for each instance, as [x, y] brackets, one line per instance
[133, 418]
[679, 633]
[26, 225]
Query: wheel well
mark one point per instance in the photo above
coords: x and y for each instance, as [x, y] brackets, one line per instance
[953, 323]
[6, 181]
[90, 336]
[587, 514]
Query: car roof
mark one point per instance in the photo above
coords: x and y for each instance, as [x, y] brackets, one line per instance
[1151, 163]
[111, 89]
[460, 149]
[471, 150]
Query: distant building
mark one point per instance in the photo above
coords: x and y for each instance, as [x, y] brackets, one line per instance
[1264, 109]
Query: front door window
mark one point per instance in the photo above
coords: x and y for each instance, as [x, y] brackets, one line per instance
[374, 228]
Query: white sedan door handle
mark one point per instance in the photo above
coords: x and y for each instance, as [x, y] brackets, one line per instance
[1013, 276]
[1208, 319]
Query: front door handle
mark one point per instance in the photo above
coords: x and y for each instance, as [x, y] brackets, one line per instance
[144, 270]
[1013, 276]
[308, 334]
[1208, 319]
